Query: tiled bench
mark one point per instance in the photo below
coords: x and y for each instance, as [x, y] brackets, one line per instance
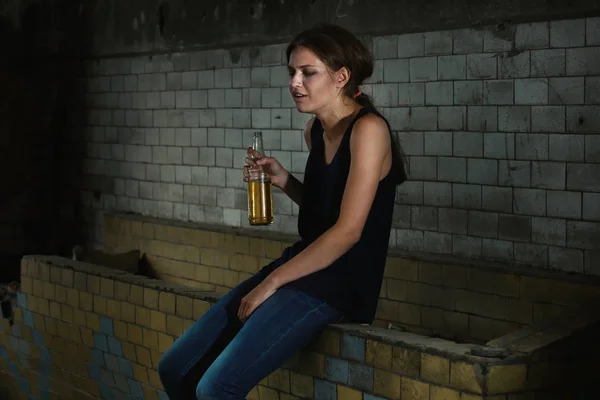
[88, 332]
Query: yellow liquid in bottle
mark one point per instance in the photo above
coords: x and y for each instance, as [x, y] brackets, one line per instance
[260, 203]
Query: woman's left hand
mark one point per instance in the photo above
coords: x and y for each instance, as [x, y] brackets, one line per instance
[255, 298]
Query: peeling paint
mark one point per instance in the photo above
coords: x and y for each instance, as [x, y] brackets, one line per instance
[113, 27]
[235, 54]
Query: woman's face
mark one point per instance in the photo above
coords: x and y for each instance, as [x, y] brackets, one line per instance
[312, 85]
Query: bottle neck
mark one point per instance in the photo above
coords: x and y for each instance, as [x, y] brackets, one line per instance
[257, 144]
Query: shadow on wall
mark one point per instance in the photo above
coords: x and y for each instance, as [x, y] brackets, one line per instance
[38, 76]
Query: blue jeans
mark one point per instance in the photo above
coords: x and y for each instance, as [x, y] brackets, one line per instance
[219, 358]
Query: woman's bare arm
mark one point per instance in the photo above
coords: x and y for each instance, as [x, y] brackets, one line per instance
[370, 146]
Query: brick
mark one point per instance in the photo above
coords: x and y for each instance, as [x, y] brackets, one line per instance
[468, 92]
[570, 260]
[591, 206]
[514, 119]
[466, 196]
[592, 31]
[410, 193]
[436, 243]
[435, 369]
[514, 173]
[482, 224]
[548, 175]
[591, 262]
[452, 169]
[567, 33]
[344, 392]
[512, 65]
[468, 41]
[401, 268]
[437, 143]
[584, 177]
[529, 201]
[411, 94]
[466, 246]
[499, 145]
[301, 385]
[566, 90]
[452, 220]
[452, 67]
[583, 235]
[387, 384]
[531, 254]
[548, 62]
[532, 146]
[582, 119]
[423, 168]
[568, 147]
[495, 198]
[385, 94]
[583, 61]
[361, 377]
[441, 393]
[395, 70]
[482, 171]
[532, 35]
[328, 343]
[423, 69]
[531, 91]
[481, 66]
[549, 231]
[592, 90]
[506, 378]
[482, 119]
[467, 377]
[378, 354]
[414, 389]
[411, 45]
[498, 91]
[422, 119]
[424, 218]
[548, 119]
[438, 42]
[468, 144]
[439, 93]
[452, 118]
[437, 194]
[563, 204]
[385, 46]
[514, 227]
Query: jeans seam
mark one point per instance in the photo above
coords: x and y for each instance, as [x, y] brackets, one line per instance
[280, 337]
[189, 366]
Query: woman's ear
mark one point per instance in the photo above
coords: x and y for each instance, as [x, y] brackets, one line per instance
[342, 76]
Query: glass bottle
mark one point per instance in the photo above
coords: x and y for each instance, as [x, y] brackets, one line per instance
[260, 189]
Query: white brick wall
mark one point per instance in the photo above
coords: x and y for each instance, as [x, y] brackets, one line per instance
[502, 133]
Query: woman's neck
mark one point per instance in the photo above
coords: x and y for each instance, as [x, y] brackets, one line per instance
[333, 117]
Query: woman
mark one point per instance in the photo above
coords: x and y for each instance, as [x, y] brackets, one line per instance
[334, 272]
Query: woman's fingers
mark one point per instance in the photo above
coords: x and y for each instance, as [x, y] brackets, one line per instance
[253, 153]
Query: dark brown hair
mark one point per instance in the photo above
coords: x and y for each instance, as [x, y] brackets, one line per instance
[337, 48]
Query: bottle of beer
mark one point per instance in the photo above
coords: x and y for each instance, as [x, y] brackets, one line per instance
[260, 193]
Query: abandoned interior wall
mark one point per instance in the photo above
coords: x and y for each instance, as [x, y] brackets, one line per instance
[496, 106]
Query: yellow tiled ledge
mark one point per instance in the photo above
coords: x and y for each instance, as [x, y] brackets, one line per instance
[88, 332]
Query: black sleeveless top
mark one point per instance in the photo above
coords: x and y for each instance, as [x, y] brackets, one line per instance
[353, 282]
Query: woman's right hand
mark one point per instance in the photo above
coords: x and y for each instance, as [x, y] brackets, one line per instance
[271, 166]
